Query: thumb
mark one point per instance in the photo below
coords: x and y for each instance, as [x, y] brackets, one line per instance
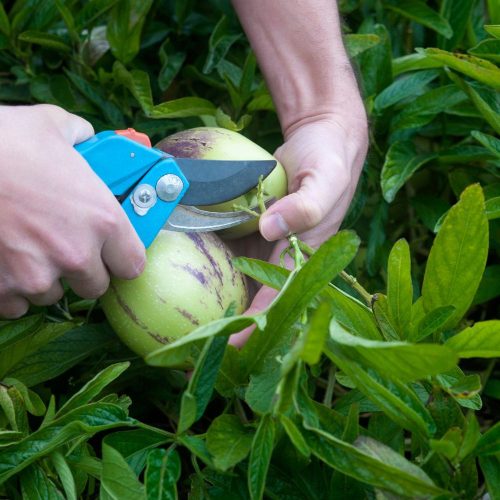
[303, 209]
[73, 128]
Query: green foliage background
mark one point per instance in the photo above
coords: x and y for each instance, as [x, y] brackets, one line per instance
[395, 397]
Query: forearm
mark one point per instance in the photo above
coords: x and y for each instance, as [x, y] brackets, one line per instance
[299, 48]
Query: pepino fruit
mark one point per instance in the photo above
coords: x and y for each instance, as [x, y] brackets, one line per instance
[189, 280]
[212, 143]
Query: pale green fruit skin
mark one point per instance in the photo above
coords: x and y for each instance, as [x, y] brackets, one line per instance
[212, 143]
[189, 280]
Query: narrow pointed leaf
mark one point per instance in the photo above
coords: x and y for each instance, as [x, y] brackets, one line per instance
[458, 256]
[479, 341]
[260, 457]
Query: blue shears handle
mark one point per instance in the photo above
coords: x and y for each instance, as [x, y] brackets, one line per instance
[134, 171]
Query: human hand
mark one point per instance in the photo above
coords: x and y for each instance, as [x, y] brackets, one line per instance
[58, 219]
[323, 158]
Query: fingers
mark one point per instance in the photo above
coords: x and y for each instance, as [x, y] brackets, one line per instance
[73, 128]
[123, 252]
[13, 307]
[53, 294]
[305, 208]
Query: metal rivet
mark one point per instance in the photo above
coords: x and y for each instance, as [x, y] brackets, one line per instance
[143, 198]
[169, 187]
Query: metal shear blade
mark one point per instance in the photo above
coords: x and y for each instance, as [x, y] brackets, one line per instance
[191, 219]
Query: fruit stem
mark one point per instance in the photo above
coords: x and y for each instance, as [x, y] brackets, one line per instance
[260, 195]
[247, 210]
[350, 280]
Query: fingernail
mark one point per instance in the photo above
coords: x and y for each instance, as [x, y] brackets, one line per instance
[274, 227]
[139, 267]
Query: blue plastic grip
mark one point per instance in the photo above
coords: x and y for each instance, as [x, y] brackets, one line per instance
[122, 164]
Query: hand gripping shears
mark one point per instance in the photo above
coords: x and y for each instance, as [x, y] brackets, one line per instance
[150, 184]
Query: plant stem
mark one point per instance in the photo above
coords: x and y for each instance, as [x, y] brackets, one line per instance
[241, 208]
[350, 280]
[260, 195]
[240, 411]
[328, 398]
[353, 283]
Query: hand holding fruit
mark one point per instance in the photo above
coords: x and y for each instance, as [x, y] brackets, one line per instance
[58, 219]
[323, 159]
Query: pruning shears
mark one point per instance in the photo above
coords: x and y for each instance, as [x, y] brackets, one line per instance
[151, 184]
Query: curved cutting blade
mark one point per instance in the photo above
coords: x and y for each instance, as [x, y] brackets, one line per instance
[193, 220]
[216, 181]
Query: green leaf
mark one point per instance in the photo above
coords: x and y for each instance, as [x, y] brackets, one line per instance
[135, 445]
[264, 272]
[197, 446]
[137, 82]
[386, 324]
[31, 399]
[457, 13]
[398, 360]
[172, 62]
[260, 457]
[479, 69]
[162, 473]
[315, 334]
[331, 258]
[419, 11]
[80, 423]
[489, 288]
[219, 43]
[398, 401]
[93, 387]
[68, 19]
[91, 11]
[228, 441]
[399, 286]
[356, 43]
[295, 435]
[408, 86]
[36, 485]
[118, 481]
[413, 62]
[487, 49]
[25, 345]
[354, 316]
[493, 29]
[45, 40]
[492, 208]
[375, 63]
[125, 27]
[231, 374]
[426, 107]
[463, 388]
[13, 331]
[65, 475]
[4, 21]
[63, 352]
[488, 141]
[433, 322]
[96, 96]
[175, 353]
[490, 467]
[183, 107]
[489, 114]
[371, 462]
[479, 341]
[458, 256]
[199, 391]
